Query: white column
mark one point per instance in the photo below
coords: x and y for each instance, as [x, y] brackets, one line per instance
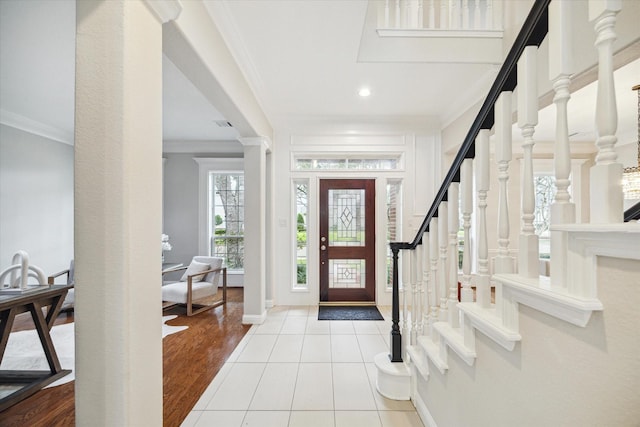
[563, 211]
[443, 239]
[433, 278]
[255, 173]
[271, 232]
[466, 178]
[483, 283]
[503, 263]
[118, 213]
[605, 189]
[454, 225]
[528, 263]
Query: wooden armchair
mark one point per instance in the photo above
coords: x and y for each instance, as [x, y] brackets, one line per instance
[69, 301]
[198, 285]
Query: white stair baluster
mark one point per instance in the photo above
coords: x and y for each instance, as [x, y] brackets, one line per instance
[398, 14]
[488, 15]
[455, 15]
[606, 192]
[503, 263]
[466, 178]
[465, 14]
[420, 14]
[443, 281]
[528, 263]
[419, 307]
[563, 211]
[414, 296]
[444, 14]
[406, 288]
[433, 250]
[386, 13]
[454, 225]
[432, 14]
[426, 283]
[477, 16]
[483, 284]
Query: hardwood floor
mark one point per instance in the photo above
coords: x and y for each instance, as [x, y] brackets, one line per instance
[191, 360]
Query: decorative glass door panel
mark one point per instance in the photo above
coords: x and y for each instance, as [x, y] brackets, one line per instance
[347, 240]
[347, 273]
[346, 217]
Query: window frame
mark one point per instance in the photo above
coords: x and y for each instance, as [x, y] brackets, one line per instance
[206, 166]
[295, 286]
[396, 156]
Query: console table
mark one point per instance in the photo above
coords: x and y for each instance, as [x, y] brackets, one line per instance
[44, 306]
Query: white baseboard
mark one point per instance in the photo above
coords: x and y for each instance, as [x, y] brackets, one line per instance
[423, 411]
[254, 319]
[268, 303]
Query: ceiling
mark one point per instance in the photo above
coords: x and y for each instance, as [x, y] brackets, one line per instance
[300, 57]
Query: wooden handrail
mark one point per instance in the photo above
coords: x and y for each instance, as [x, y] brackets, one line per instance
[633, 213]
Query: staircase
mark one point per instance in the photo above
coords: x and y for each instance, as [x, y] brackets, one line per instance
[518, 348]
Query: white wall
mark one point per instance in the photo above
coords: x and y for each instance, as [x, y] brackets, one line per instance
[180, 205]
[36, 200]
[418, 143]
[559, 374]
[628, 154]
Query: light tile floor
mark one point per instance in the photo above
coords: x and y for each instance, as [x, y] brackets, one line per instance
[297, 371]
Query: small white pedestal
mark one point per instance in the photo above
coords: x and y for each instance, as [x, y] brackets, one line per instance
[393, 380]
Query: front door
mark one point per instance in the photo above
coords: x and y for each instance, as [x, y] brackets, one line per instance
[347, 240]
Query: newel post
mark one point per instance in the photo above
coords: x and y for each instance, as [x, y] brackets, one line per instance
[396, 337]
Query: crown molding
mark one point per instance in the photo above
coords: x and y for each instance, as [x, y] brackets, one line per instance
[165, 10]
[35, 127]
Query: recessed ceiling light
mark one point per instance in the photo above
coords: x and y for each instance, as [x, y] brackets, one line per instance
[364, 92]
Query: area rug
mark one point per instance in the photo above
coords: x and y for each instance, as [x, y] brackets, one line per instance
[369, 312]
[24, 351]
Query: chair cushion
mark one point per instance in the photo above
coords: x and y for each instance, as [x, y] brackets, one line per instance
[214, 262]
[195, 267]
[69, 300]
[177, 292]
[72, 271]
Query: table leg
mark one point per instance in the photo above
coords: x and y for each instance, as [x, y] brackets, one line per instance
[6, 323]
[45, 336]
